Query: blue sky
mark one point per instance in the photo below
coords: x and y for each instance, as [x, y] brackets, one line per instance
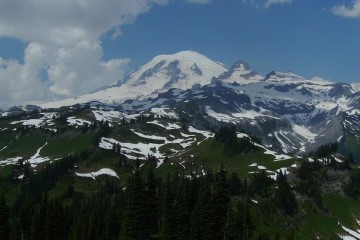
[56, 49]
[304, 37]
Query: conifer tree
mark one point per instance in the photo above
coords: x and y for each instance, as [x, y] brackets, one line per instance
[151, 214]
[55, 226]
[134, 209]
[183, 211]
[169, 213]
[202, 219]
[4, 220]
[284, 197]
[220, 202]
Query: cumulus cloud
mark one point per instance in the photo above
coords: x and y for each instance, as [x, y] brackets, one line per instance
[263, 4]
[352, 11]
[63, 57]
[199, 1]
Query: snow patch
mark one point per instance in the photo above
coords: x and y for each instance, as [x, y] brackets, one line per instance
[304, 132]
[109, 116]
[10, 161]
[77, 122]
[351, 232]
[206, 134]
[103, 171]
[164, 112]
[169, 126]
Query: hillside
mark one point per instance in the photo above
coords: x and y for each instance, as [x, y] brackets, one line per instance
[85, 149]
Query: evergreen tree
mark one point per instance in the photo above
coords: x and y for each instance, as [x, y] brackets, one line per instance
[55, 226]
[202, 219]
[134, 210]
[151, 214]
[26, 213]
[169, 213]
[4, 220]
[182, 210]
[220, 203]
[15, 233]
[38, 222]
[284, 197]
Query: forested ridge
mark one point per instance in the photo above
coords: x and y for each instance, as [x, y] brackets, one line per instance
[214, 205]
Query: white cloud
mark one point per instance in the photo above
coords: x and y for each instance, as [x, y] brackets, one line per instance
[63, 46]
[349, 12]
[74, 65]
[199, 1]
[263, 4]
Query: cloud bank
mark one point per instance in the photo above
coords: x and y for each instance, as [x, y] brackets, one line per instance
[63, 57]
[352, 11]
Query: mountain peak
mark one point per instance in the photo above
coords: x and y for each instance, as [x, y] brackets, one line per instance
[240, 64]
[182, 56]
[240, 73]
[182, 70]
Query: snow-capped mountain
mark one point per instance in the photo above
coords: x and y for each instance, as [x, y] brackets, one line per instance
[183, 70]
[288, 112]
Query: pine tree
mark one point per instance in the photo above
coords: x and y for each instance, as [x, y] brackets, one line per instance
[202, 219]
[26, 213]
[284, 197]
[4, 220]
[15, 233]
[134, 210]
[169, 213]
[220, 202]
[234, 228]
[151, 215]
[55, 226]
[38, 222]
[182, 211]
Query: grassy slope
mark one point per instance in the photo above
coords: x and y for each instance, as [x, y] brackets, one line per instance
[24, 146]
[67, 144]
[210, 154]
